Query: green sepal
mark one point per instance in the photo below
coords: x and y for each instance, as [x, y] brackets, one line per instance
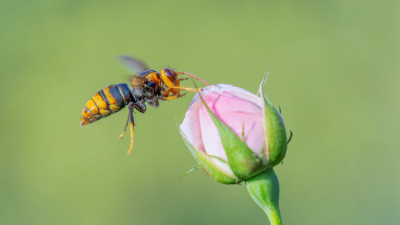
[210, 168]
[276, 142]
[243, 162]
[276, 133]
[264, 190]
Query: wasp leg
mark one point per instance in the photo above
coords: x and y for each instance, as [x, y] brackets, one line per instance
[186, 88]
[139, 106]
[173, 97]
[131, 125]
[181, 95]
[126, 126]
[170, 97]
[166, 93]
[181, 79]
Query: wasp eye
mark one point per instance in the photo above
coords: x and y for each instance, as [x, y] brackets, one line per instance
[169, 72]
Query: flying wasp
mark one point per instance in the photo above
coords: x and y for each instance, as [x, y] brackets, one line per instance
[147, 86]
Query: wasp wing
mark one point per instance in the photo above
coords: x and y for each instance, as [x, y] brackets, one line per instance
[134, 65]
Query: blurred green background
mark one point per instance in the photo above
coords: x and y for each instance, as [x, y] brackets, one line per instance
[334, 71]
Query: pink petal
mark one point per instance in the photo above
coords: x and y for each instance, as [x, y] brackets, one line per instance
[190, 127]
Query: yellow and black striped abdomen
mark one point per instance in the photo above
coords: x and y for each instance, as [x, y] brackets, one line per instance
[106, 102]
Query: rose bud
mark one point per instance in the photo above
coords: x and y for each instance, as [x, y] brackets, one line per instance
[233, 134]
[237, 136]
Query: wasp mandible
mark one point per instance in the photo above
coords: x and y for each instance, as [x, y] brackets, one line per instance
[147, 86]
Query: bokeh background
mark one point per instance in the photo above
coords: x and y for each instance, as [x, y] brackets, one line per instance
[334, 72]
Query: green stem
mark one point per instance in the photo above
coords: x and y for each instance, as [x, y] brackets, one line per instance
[264, 189]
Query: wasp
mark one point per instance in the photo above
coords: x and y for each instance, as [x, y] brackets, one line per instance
[148, 86]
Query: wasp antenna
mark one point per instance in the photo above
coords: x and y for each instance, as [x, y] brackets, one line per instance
[195, 77]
